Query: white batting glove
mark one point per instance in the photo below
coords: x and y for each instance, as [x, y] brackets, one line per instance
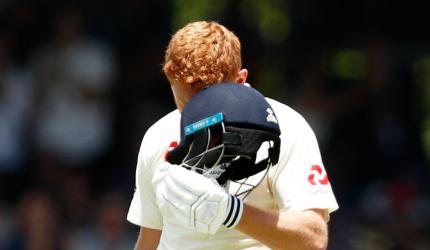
[196, 202]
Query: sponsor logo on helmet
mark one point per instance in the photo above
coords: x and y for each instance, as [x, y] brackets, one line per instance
[204, 123]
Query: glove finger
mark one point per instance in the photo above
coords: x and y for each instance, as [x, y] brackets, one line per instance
[163, 204]
[179, 192]
[189, 180]
[175, 203]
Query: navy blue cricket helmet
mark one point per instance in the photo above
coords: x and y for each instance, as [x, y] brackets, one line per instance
[223, 127]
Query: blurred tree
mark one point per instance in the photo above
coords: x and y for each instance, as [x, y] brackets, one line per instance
[270, 17]
[422, 78]
[349, 64]
[185, 11]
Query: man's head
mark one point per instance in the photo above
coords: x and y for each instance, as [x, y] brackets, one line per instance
[229, 132]
[200, 54]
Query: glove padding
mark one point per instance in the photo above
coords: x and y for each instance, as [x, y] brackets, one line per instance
[196, 202]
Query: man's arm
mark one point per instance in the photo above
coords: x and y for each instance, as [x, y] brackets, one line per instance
[285, 229]
[148, 239]
[200, 204]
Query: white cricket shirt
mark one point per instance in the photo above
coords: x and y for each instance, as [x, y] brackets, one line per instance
[298, 182]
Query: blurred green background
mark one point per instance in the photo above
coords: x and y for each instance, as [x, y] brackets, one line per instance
[81, 81]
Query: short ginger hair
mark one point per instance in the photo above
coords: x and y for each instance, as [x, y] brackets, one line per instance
[202, 53]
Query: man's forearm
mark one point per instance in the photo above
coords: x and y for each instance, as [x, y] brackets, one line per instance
[148, 239]
[285, 229]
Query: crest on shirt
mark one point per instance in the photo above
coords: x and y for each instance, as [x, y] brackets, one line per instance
[317, 176]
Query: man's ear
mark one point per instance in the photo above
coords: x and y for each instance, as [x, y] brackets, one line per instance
[242, 76]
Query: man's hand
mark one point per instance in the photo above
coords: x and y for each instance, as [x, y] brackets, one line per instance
[196, 202]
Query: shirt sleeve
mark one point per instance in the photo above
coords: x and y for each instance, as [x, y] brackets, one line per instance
[143, 209]
[300, 181]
